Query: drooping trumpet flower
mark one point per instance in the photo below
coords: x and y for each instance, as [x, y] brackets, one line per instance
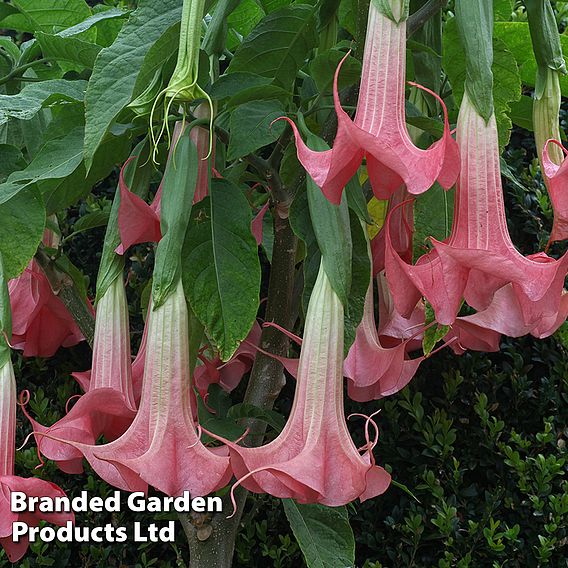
[162, 447]
[109, 406]
[478, 258]
[10, 482]
[314, 460]
[41, 323]
[546, 108]
[379, 132]
[138, 221]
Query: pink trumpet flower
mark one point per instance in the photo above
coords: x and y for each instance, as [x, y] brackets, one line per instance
[41, 322]
[479, 258]
[108, 406]
[162, 446]
[314, 459]
[139, 222]
[375, 371]
[9, 482]
[228, 375]
[379, 131]
[557, 176]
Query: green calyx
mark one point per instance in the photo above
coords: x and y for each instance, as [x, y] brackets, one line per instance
[395, 10]
[545, 40]
[183, 87]
[178, 188]
[475, 25]
[5, 317]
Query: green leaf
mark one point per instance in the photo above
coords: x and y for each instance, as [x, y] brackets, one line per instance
[506, 84]
[46, 15]
[521, 112]
[301, 224]
[251, 127]
[154, 60]
[62, 193]
[278, 45]
[360, 277]
[517, 37]
[34, 96]
[271, 417]
[91, 221]
[333, 233]
[475, 26]
[503, 9]
[70, 53]
[221, 269]
[323, 66]
[434, 333]
[11, 160]
[112, 83]
[94, 20]
[232, 83]
[433, 214]
[21, 230]
[323, 533]
[179, 183]
[56, 159]
[245, 16]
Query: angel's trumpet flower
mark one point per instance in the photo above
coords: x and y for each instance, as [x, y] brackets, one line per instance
[314, 459]
[41, 323]
[108, 406]
[138, 221]
[555, 169]
[228, 375]
[379, 131]
[9, 482]
[479, 258]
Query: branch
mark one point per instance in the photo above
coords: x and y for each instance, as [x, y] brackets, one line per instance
[423, 14]
[64, 288]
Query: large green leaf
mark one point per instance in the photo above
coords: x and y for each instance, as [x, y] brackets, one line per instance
[433, 215]
[21, 229]
[516, 37]
[323, 533]
[33, 96]
[323, 66]
[56, 159]
[278, 45]
[221, 269]
[70, 53]
[117, 67]
[506, 78]
[360, 269]
[252, 128]
[11, 160]
[46, 15]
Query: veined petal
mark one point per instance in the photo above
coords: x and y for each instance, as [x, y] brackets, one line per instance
[314, 460]
[557, 177]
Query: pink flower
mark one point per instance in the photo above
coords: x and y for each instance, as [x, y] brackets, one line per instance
[379, 132]
[314, 459]
[108, 407]
[138, 221]
[162, 446]
[557, 178]
[228, 375]
[479, 258]
[41, 322]
[9, 482]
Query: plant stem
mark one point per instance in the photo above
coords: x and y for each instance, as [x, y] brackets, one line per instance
[18, 70]
[64, 288]
[422, 15]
